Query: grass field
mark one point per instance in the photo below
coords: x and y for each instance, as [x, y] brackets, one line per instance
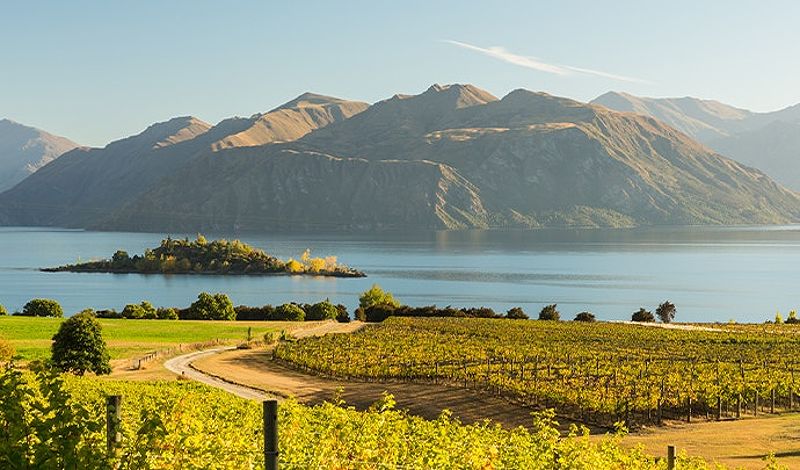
[31, 337]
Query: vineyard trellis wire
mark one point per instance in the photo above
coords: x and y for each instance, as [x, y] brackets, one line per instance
[717, 375]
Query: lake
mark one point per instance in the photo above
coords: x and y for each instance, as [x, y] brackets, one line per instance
[710, 273]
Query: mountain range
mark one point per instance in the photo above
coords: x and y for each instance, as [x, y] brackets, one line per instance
[768, 141]
[454, 156]
[23, 150]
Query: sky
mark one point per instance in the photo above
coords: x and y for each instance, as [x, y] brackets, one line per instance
[97, 71]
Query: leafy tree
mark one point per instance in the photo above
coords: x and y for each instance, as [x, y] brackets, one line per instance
[642, 315]
[167, 313]
[778, 318]
[133, 311]
[550, 312]
[324, 310]
[666, 312]
[379, 312]
[212, 307]
[517, 313]
[144, 310]
[585, 317]
[375, 296]
[792, 318]
[107, 313]
[42, 308]
[121, 260]
[3, 310]
[78, 346]
[290, 312]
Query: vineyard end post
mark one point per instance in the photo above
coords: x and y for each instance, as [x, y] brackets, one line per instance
[113, 417]
[671, 457]
[271, 434]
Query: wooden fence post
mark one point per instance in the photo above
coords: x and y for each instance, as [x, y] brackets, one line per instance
[772, 401]
[739, 406]
[670, 457]
[271, 434]
[755, 405]
[113, 417]
[688, 409]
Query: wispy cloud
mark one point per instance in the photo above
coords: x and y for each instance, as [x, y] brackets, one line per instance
[501, 53]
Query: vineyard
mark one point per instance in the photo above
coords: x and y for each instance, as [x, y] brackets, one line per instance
[597, 373]
[49, 421]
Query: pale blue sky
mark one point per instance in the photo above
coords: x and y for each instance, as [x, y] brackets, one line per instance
[99, 70]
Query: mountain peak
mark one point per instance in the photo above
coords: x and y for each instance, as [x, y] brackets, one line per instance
[462, 95]
[289, 121]
[164, 134]
[313, 99]
[25, 149]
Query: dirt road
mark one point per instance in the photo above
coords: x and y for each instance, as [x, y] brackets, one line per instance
[252, 374]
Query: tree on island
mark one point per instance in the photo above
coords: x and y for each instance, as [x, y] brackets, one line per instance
[42, 308]
[78, 346]
[666, 312]
[550, 313]
[643, 316]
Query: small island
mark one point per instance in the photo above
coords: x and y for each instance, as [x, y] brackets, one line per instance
[220, 257]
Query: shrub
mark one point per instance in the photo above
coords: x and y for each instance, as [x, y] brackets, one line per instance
[550, 313]
[360, 314]
[107, 313]
[378, 313]
[210, 307]
[479, 312]
[6, 351]
[3, 310]
[133, 311]
[666, 312]
[78, 346]
[342, 315]
[167, 313]
[585, 316]
[322, 311]
[516, 313]
[42, 308]
[290, 312]
[643, 315]
[245, 313]
[144, 310]
[375, 296]
[271, 337]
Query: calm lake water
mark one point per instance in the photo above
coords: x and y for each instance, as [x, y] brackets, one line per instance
[711, 274]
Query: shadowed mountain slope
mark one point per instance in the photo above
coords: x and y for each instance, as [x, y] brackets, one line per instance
[24, 149]
[768, 141]
[88, 184]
